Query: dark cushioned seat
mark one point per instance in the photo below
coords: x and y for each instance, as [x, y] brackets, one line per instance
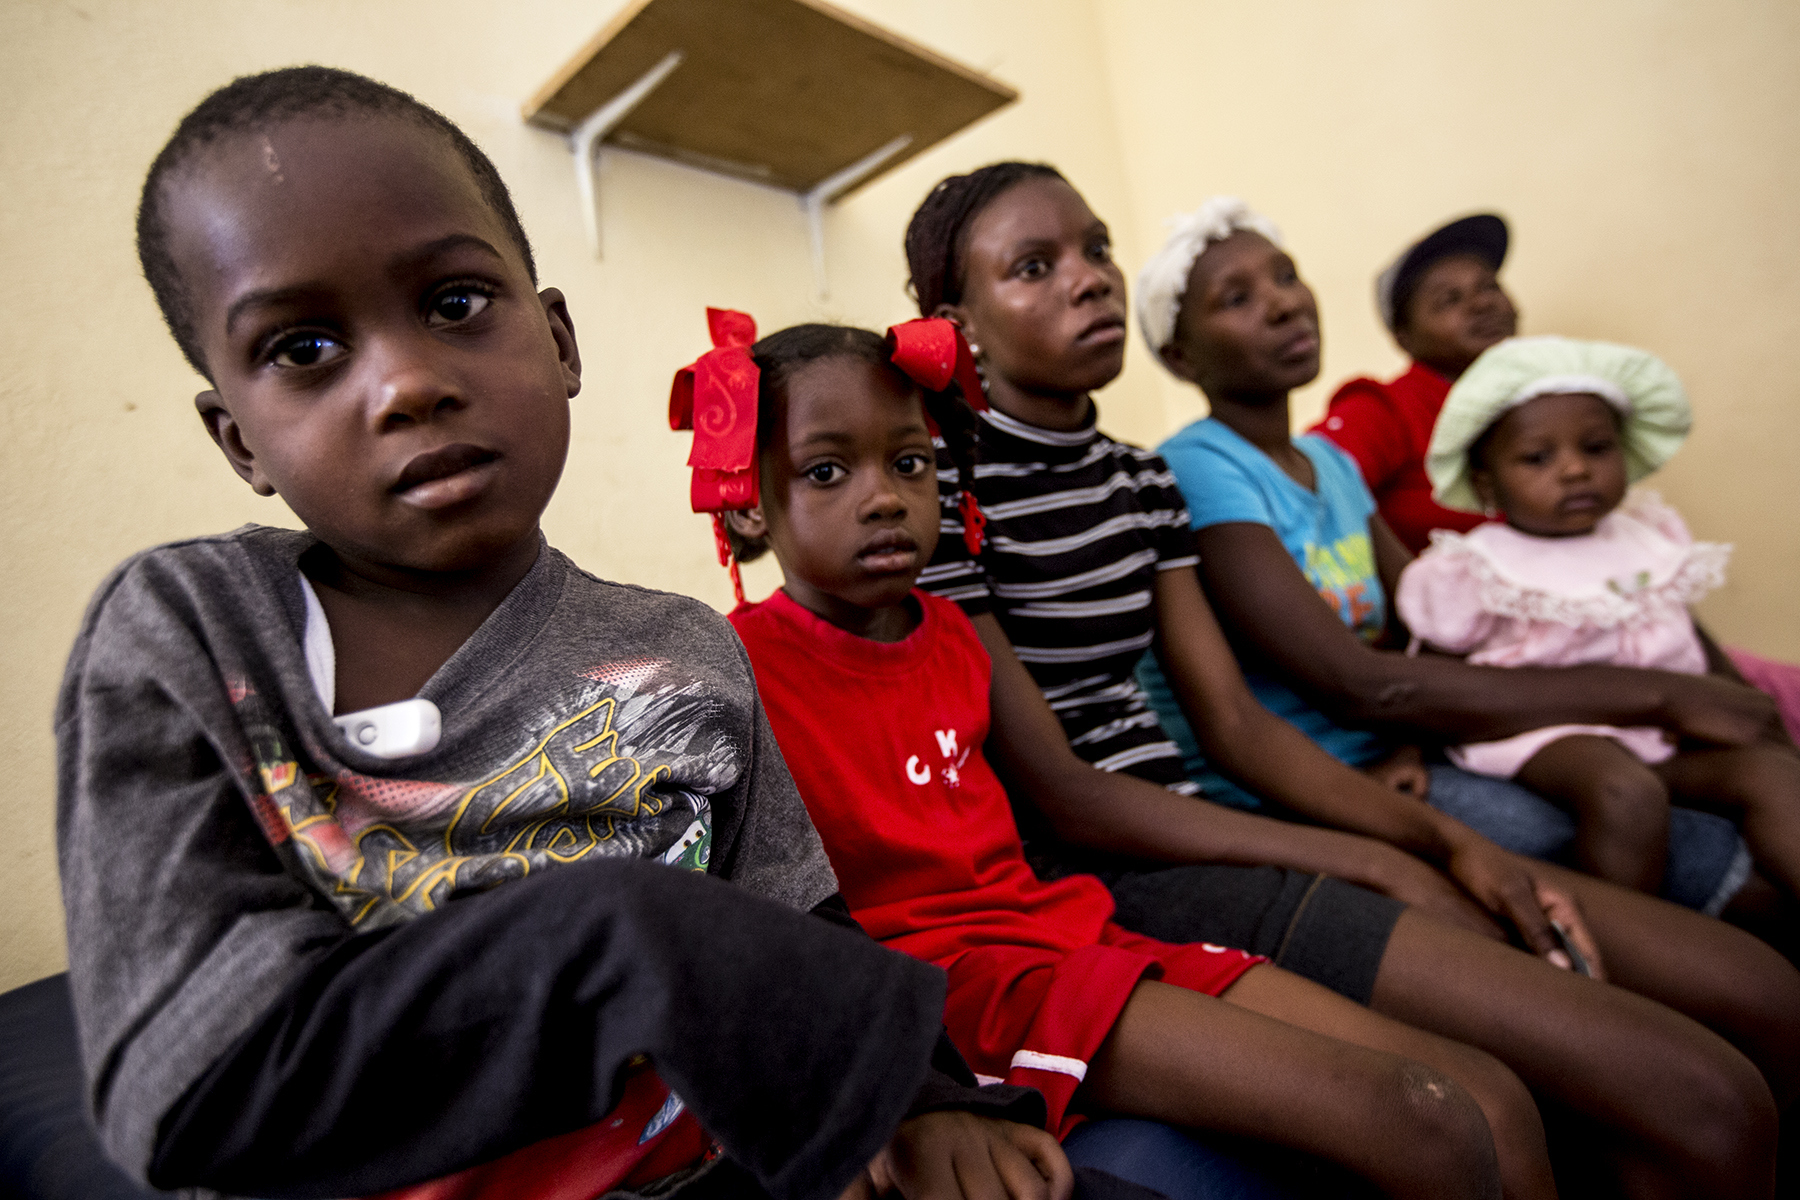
[48, 1151]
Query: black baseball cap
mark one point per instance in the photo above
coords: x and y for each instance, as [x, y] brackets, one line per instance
[1483, 235]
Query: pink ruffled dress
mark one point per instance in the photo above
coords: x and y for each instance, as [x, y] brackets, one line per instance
[1618, 595]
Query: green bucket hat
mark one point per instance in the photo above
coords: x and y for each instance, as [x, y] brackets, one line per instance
[1641, 386]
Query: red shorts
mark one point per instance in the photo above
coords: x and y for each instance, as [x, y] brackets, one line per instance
[1035, 1016]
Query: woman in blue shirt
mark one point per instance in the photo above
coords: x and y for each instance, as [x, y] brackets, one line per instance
[1224, 307]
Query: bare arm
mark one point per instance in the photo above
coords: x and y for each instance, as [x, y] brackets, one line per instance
[1267, 603]
[1271, 757]
[1717, 661]
[1391, 556]
[1719, 665]
[1124, 815]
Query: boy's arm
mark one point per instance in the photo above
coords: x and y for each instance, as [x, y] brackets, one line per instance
[507, 1017]
[763, 839]
[1114, 812]
[238, 1034]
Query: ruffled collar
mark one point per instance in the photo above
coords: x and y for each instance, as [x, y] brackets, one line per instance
[1637, 564]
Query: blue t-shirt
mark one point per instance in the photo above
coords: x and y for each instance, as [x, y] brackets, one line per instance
[1225, 478]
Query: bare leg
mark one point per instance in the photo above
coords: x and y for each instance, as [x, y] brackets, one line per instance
[1759, 786]
[1717, 974]
[1678, 1110]
[1285, 1060]
[1769, 913]
[1621, 808]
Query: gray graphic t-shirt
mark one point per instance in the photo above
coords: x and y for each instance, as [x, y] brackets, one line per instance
[217, 830]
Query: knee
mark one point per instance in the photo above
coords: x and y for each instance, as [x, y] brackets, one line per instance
[1726, 1127]
[1766, 776]
[1448, 1137]
[1507, 1105]
[1629, 803]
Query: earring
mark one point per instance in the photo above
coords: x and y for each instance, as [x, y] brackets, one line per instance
[975, 349]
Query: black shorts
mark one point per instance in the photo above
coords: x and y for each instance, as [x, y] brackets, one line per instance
[1331, 932]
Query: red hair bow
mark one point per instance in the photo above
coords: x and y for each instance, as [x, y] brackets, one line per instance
[716, 398]
[932, 351]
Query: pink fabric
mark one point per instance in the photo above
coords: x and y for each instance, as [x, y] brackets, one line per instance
[1619, 595]
[1780, 680]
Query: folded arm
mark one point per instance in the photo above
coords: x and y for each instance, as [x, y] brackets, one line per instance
[1121, 814]
[1266, 602]
[1267, 755]
[500, 1028]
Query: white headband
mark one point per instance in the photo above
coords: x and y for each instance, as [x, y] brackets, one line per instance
[1551, 385]
[1163, 281]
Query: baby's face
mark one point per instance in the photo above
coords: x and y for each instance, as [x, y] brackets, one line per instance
[1555, 465]
[380, 356]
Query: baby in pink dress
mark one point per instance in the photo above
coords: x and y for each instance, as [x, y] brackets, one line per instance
[1549, 433]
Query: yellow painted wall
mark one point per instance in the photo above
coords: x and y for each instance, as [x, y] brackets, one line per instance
[1646, 153]
[100, 451]
[1647, 160]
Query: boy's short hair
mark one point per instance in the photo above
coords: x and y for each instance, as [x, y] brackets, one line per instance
[257, 102]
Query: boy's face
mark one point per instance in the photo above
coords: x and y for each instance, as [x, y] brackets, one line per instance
[1554, 465]
[849, 489]
[1457, 310]
[380, 357]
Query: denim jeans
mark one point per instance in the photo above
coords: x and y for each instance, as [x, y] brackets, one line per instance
[1708, 861]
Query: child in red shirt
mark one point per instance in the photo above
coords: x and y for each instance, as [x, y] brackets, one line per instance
[878, 694]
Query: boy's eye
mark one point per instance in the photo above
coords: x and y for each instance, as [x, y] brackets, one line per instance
[824, 472]
[306, 350]
[912, 465]
[450, 307]
[1100, 250]
[1535, 458]
[1032, 268]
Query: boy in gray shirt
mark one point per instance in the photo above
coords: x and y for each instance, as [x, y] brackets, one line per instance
[295, 968]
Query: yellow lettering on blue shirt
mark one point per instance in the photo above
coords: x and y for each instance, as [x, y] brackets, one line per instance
[1344, 574]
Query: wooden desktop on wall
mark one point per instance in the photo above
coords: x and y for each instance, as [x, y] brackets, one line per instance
[781, 92]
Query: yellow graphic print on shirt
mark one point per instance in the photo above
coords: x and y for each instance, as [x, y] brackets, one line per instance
[1344, 574]
[384, 849]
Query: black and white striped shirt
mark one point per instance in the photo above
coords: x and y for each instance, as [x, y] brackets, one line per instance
[1078, 526]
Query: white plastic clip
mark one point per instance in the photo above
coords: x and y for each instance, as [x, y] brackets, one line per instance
[830, 188]
[584, 139]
